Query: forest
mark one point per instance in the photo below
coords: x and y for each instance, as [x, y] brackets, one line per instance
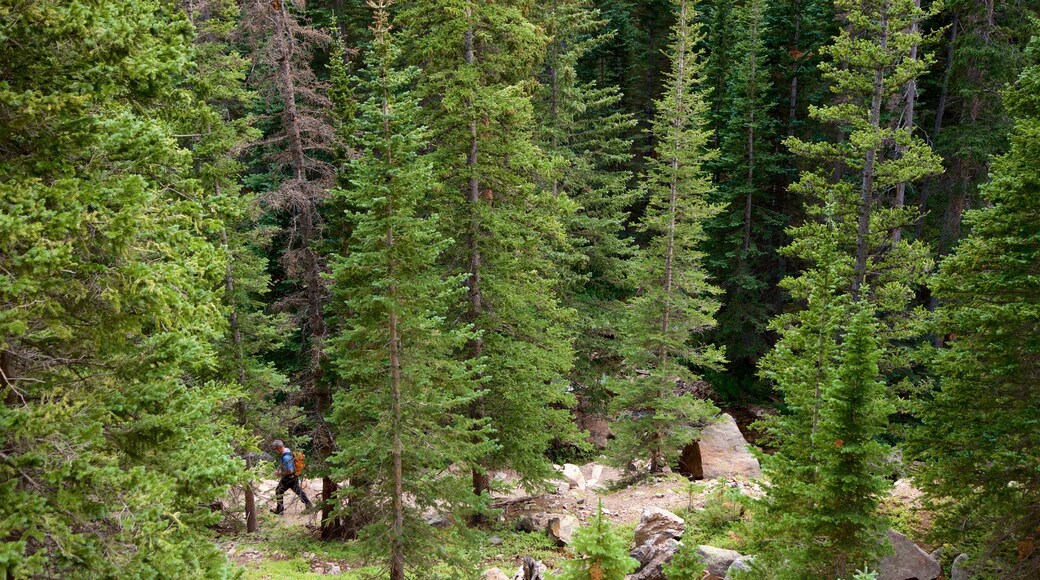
[451, 250]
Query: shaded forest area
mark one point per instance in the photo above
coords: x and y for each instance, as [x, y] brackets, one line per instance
[426, 240]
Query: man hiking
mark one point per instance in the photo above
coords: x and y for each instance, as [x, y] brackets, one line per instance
[289, 479]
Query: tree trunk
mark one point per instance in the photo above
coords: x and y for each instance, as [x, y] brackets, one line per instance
[940, 109]
[908, 122]
[792, 110]
[867, 188]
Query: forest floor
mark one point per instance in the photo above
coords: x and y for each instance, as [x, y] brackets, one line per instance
[287, 546]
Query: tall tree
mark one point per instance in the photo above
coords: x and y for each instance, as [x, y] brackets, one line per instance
[402, 421]
[675, 302]
[584, 131]
[110, 299]
[297, 150]
[477, 59]
[745, 236]
[216, 131]
[979, 437]
[826, 520]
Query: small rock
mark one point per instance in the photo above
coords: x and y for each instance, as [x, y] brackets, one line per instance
[495, 540]
[657, 521]
[574, 476]
[561, 528]
[959, 571]
[716, 560]
[741, 564]
[532, 522]
[581, 501]
[335, 569]
[494, 574]
[658, 495]
[597, 472]
[437, 520]
[908, 561]
[652, 558]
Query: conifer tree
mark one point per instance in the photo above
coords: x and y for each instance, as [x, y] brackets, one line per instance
[978, 438]
[745, 236]
[296, 152]
[109, 300]
[822, 363]
[402, 420]
[675, 302]
[602, 554]
[584, 132]
[476, 60]
[217, 129]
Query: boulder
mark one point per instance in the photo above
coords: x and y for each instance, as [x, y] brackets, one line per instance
[652, 557]
[561, 528]
[959, 568]
[716, 560]
[907, 561]
[741, 564]
[532, 522]
[658, 523]
[721, 451]
[572, 473]
[494, 574]
[437, 520]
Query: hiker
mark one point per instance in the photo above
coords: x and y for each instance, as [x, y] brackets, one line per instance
[289, 479]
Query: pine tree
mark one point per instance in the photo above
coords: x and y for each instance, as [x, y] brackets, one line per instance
[585, 133]
[477, 59]
[978, 438]
[602, 554]
[402, 420]
[822, 363]
[110, 300]
[296, 153]
[675, 301]
[745, 236]
[216, 130]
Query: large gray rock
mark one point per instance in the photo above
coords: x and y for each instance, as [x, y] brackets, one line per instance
[660, 522]
[741, 564]
[561, 529]
[574, 476]
[716, 560]
[908, 561]
[959, 568]
[533, 522]
[721, 451]
[653, 556]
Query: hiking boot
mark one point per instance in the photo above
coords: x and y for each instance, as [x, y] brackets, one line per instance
[277, 511]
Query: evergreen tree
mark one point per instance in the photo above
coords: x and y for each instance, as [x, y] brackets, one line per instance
[296, 154]
[402, 421]
[675, 301]
[110, 300]
[824, 518]
[602, 554]
[745, 236]
[584, 132]
[217, 129]
[978, 438]
[477, 59]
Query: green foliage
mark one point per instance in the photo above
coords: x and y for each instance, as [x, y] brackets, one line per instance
[839, 356]
[110, 299]
[979, 420]
[508, 232]
[400, 416]
[584, 132]
[601, 553]
[675, 301]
